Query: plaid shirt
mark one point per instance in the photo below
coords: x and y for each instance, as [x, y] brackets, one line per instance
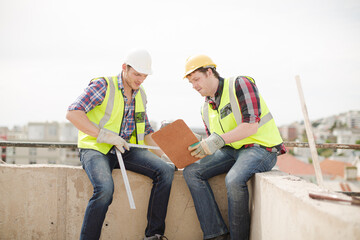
[94, 95]
[249, 101]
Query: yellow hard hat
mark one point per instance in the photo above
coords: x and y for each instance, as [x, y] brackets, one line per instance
[196, 62]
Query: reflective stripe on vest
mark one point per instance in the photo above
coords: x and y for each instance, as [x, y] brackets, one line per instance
[236, 109]
[267, 134]
[139, 115]
[103, 117]
[110, 104]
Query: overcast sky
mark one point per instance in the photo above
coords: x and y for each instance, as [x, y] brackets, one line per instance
[50, 50]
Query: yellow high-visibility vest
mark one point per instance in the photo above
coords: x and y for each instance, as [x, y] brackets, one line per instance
[110, 115]
[228, 116]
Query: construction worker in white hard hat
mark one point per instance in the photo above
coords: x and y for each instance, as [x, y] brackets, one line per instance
[110, 113]
[242, 140]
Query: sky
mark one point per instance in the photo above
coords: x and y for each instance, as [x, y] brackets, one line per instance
[50, 50]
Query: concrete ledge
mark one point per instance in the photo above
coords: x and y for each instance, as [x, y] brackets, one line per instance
[49, 201]
[282, 210]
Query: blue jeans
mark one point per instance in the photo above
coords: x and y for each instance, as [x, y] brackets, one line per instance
[99, 168]
[240, 165]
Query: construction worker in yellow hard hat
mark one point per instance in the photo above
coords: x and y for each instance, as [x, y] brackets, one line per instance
[242, 140]
[110, 113]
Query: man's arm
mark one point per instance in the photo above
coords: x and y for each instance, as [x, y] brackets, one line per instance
[215, 141]
[242, 131]
[82, 122]
[249, 103]
[92, 96]
[79, 119]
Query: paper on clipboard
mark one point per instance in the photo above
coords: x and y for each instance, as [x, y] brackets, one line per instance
[174, 140]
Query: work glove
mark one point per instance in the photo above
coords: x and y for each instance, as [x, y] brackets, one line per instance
[207, 146]
[198, 136]
[106, 136]
[164, 123]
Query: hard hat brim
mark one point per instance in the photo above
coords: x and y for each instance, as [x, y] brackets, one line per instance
[193, 70]
[144, 71]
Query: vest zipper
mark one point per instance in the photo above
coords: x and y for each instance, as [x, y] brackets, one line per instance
[122, 120]
[219, 120]
[135, 122]
[222, 127]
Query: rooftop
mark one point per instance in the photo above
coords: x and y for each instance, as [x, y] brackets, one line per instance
[49, 201]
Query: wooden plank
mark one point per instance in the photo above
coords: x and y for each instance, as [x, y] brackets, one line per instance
[310, 136]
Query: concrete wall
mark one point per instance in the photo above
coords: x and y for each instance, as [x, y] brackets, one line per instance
[48, 202]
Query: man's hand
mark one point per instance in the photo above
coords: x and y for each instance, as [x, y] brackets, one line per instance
[106, 136]
[208, 146]
[198, 136]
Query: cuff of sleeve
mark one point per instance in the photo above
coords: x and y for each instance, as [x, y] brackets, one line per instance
[251, 119]
[72, 108]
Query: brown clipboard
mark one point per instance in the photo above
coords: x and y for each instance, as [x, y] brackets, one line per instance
[174, 140]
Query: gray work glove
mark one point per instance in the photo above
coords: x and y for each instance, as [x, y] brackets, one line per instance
[198, 136]
[106, 136]
[207, 146]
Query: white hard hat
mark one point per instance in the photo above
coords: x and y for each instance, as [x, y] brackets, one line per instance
[140, 60]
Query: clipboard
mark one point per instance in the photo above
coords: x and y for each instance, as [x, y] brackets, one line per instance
[174, 140]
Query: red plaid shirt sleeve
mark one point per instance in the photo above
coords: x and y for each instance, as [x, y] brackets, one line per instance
[249, 100]
[92, 96]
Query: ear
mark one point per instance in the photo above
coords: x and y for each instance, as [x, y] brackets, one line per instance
[123, 67]
[209, 72]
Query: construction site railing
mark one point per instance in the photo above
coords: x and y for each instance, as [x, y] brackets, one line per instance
[74, 145]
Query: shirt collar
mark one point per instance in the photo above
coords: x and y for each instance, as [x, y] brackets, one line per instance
[215, 102]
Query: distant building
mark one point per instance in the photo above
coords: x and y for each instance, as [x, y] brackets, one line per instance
[43, 132]
[289, 133]
[351, 119]
[342, 128]
[3, 136]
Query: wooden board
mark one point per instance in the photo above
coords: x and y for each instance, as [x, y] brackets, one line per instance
[174, 139]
